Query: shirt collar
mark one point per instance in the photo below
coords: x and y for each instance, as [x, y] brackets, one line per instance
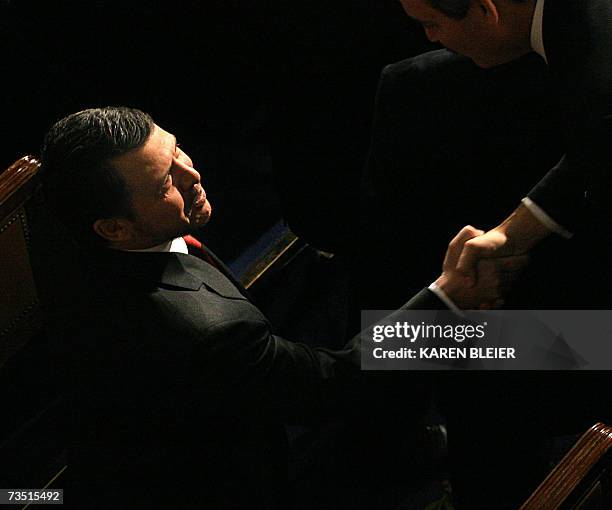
[177, 245]
[537, 39]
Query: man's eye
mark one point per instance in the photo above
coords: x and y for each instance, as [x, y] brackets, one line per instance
[167, 182]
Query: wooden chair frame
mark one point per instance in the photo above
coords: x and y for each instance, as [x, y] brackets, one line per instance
[580, 480]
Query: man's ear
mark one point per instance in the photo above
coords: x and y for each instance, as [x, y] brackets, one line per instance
[114, 230]
[489, 9]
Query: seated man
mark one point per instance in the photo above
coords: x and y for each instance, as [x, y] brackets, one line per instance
[180, 386]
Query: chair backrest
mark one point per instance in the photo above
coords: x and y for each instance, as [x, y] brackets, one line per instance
[31, 433]
[20, 317]
[583, 478]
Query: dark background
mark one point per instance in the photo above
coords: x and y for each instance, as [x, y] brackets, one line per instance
[272, 99]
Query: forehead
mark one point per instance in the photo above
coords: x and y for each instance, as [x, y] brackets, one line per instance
[149, 162]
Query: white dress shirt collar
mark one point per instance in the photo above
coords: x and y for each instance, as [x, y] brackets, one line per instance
[176, 245]
[537, 39]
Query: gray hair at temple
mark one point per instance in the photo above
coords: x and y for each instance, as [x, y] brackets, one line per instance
[457, 9]
[80, 184]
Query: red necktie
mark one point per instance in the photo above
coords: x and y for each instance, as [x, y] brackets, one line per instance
[197, 249]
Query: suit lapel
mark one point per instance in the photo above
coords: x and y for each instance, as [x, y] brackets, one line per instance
[176, 274]
[183, 269]
[228, 274]
[198, 249]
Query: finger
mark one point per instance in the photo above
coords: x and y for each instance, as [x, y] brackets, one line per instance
[472, 252]
[504, 268]
[468, 259]
[466, 233]
[490, 245]
[512, 264]
[494, 292]
[491, 303]
[491, 279]
[456, 246]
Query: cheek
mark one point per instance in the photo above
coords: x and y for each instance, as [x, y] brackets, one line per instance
[176, 206]
[169, 210]
[175, 200]
[455, 42]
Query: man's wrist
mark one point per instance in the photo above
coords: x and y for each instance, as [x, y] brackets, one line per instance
[523, 230]
[445, 293]
[545, 219]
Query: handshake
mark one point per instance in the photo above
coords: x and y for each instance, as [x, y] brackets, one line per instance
[479, 268]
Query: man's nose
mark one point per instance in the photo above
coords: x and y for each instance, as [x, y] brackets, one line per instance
[185, 176]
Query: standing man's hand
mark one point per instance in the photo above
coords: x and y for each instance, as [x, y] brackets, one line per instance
[514, 237]
[490, 245]
[494, 275]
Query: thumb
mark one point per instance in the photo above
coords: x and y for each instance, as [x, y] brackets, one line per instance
[493, 244]
[456, 246]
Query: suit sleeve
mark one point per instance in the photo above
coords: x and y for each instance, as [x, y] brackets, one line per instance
[245, 368]
[425, 300]
[578, 185]
[582, 71]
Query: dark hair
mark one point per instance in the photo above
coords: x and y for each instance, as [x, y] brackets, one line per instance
[456, 9]
[79, 182]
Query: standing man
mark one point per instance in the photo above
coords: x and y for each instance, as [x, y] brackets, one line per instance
[575, 40]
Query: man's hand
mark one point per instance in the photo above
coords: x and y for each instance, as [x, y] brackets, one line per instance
[495, 275]
[514, 237]
[491, 245]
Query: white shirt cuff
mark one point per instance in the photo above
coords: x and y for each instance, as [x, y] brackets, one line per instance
[444, 298]
[545, 219]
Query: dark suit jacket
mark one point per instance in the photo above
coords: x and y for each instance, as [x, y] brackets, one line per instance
[578, 46]
[452, 144]
[181, 387]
